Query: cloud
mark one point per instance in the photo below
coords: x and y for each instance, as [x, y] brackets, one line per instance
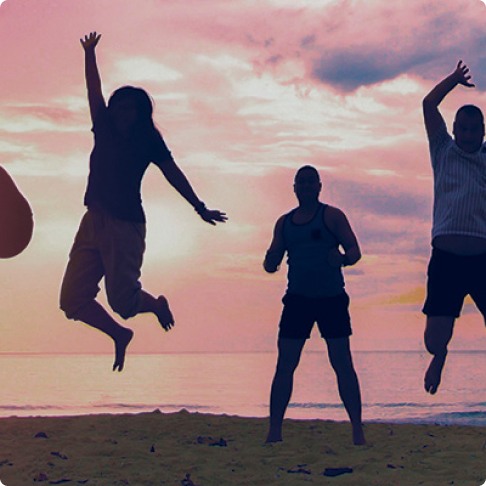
[139, 69]
[351, 68]
[354, 43]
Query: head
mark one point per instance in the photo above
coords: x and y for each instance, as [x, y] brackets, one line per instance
[307, 184]
[468, 128]
[131, 109]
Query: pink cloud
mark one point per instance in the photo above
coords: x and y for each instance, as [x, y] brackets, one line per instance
[258, 92]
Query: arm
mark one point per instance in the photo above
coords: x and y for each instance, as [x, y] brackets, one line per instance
[92, 75]
[432, 117]
[179, 182]
[337, 222]
[276, 251]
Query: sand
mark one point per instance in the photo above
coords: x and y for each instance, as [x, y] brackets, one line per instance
[199, 449]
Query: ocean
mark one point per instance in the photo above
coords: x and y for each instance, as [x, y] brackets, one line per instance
[239, 384]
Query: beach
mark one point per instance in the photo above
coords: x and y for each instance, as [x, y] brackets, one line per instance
[188, 449]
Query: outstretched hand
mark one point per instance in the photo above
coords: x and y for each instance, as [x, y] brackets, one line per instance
[462, 75]
[90, 41]
[212, 216]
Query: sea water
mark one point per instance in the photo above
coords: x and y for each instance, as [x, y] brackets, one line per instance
[239, 384]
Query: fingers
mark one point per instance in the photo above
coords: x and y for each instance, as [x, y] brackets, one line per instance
[463, 72]
[214, 216]
[90, 40]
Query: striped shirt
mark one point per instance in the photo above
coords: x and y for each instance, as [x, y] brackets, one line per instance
[459, 188]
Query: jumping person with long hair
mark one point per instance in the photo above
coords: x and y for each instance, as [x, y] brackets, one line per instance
[111, 238]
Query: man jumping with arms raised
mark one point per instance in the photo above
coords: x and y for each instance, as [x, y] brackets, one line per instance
[458, 263]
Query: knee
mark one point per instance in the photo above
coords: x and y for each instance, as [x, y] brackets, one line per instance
[286, 368]
[124, 306]
[342, 366]
[67, 304]
[438, 333]
[435, 344]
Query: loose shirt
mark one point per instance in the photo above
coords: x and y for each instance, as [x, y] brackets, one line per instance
[459, 187]
[117, 166]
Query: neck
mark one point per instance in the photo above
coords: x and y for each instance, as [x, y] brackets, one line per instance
[309, 206]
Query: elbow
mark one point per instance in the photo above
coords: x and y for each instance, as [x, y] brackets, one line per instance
[269, 268]
[352, 257]
[428, 104]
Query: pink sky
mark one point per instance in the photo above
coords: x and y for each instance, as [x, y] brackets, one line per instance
[246, 92]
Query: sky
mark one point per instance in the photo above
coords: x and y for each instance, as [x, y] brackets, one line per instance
[245, 92]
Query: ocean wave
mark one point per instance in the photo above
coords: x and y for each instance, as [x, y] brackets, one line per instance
[381, 405]
[7, 410]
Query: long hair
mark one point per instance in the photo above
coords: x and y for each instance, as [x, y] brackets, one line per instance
[144, 127]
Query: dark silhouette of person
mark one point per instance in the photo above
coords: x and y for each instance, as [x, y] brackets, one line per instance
[110, 241]
[457, 266]
[312, 235]
[16, 218]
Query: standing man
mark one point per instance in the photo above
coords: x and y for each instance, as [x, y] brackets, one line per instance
[311, 234]
[458, 263]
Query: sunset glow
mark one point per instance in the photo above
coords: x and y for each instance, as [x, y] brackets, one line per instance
[245, 93]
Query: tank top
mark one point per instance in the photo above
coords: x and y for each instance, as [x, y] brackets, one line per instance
[308, 246]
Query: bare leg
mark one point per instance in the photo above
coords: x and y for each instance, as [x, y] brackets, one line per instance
[96, 316]
[340, 357]
[289, 351]
[159, 307]
[438, 333]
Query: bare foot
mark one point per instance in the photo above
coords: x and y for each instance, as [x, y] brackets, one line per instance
[121, 344]
[163, 313]
[358, 435]
[434, 373]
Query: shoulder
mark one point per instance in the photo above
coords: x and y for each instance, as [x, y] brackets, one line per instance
[334, 218]
[281, 220]
[160, 151]
[101, 121]
[440, 140]
[332, 213]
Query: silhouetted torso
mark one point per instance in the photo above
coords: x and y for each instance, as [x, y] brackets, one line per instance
[117, 166]
[308, 245]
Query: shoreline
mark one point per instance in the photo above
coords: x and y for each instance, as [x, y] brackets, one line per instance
[387, 421]
[154, 448]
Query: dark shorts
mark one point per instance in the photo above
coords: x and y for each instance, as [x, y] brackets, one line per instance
[300, 313]
[450, 278]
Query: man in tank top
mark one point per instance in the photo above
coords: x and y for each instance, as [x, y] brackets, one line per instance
[458, 263]
[311, 235]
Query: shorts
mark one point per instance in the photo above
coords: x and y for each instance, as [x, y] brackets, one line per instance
[450, 278]
[300, 313]
[104, 247]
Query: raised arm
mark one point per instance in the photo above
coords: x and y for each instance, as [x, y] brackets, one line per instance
[276, 251]
[339, 225]
[179, 182]
[93, 80]
[432, 117]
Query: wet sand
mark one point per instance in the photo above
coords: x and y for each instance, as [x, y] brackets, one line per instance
[199, 449]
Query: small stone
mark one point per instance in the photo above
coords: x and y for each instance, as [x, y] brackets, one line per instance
[40, 477]
[336, 471]
[58, 454]
[219, 443]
